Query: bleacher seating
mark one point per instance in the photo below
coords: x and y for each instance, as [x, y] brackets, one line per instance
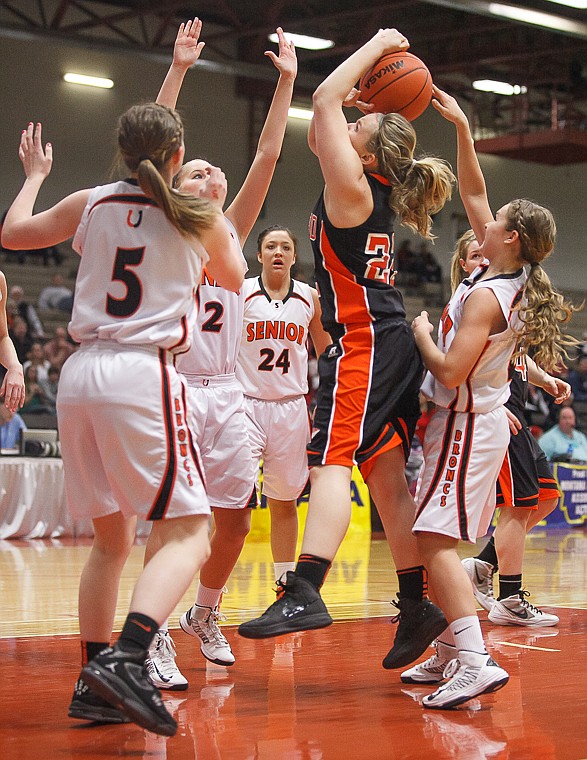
[33, 276]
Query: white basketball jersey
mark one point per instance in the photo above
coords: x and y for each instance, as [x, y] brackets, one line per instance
[273, 358]
[137, 275]
[217, 334]
[487, 386]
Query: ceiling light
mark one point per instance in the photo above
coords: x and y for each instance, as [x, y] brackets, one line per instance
[304, 41]
[582, 4]
[301, 113]
[88, 81]
[534, 17]
[499, 88]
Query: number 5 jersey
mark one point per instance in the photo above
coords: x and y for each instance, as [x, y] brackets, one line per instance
[137, 275]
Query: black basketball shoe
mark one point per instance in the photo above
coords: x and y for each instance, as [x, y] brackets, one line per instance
[86, 705]
[121, 678]
[299, 607]
[419, 624]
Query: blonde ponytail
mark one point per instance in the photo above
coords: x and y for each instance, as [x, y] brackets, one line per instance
[419, 187]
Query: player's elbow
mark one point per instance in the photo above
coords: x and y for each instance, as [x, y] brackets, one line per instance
[231, 278]
[451, 377]
[9, 240]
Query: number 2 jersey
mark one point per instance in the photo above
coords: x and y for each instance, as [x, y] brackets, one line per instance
[273, 358]
[216, 338]
[355, 266]
[137, 275]
[487, 385]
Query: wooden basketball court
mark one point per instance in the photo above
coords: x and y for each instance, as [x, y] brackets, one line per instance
[319, 695]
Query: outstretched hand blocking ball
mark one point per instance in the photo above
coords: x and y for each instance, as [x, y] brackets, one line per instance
[398, 83]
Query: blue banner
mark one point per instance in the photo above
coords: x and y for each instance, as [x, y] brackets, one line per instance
[572, 507]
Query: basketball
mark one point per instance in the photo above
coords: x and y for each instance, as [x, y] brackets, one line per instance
[398, 83]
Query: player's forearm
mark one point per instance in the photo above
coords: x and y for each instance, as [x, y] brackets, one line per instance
[273, 132]
[336, 86]
[170, 89]
[20, 212]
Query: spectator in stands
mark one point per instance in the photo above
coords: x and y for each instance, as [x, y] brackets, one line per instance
[28, 312]
[404, 257]
[52, 252]
[36, 358]
[429, 268]
[11, 423]
[578, 379]
[34, 399]
[49, 388]
[56, 296]
[21, 337]
[563, 442]
[59, 348]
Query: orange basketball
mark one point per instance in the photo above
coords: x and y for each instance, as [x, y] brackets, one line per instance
[398, 83]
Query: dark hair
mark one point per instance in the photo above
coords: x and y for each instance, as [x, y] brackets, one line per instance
[276, 228]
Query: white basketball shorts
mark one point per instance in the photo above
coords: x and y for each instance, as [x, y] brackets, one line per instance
[125, 439]
[279, 432]
[220, 427]
[463, 454]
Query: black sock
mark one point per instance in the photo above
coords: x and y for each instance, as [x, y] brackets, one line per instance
[413, 582]
[488, 553]
[138, 632]
[91, 648]
[313, 569]
[509, 585]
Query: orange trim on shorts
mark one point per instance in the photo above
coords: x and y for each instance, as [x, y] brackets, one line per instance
[506, 498]
[163, 498]
[447, 435]
[350, 398]
[367, 467]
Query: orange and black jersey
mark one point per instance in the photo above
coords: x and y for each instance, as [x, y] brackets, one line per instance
[355, 266]
[518, 376]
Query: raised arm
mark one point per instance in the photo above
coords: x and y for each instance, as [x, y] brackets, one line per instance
[186, 52]
[21, 229]
[472, 188]
[225, 264]
[348, 197]
[246, 206]
[12, 389]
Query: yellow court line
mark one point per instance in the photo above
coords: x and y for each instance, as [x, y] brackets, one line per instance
[523, 646]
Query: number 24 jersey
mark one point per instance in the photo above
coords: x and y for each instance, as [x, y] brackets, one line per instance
[273, 357]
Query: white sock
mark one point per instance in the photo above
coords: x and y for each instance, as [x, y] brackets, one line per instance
[281, 568]
[208, 597]
[468, 637]
[164, 627]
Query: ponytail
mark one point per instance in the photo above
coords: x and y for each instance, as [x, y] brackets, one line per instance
[188, 214]
[149, 135]
[419, 187]
[543, 310]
